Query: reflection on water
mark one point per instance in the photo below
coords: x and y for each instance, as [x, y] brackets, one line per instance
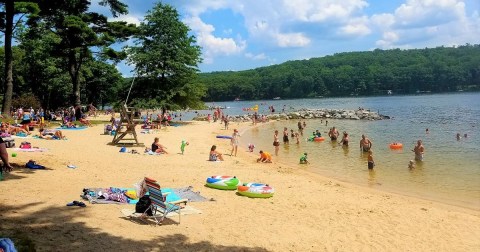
[449, 172]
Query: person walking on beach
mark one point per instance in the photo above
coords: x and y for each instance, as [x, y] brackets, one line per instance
[365, 144]
[276, 142]
[419, 150]
[285, 135]
[333, 134]
[234, 142]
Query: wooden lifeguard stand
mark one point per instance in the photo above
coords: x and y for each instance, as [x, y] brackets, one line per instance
[126, 127]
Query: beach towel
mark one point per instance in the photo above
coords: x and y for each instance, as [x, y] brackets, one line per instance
[96, 195]
[188, 193]
[7, 245]
[30, 149]
[76, 128]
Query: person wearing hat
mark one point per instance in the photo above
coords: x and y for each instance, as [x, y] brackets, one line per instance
[303, 159]
[234, 142]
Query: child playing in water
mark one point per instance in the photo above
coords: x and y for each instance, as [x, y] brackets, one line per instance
[411, 164]
[303, 159]
[371, 163]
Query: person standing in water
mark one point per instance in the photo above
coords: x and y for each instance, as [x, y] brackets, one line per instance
[285, 135]
[344, 139]
[419, 150]
[365, 144]
[300, 128]
[371, 163]
[333, 134]
[276, 142]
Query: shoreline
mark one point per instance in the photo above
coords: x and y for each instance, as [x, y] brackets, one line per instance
[471, 207]
[309, 212]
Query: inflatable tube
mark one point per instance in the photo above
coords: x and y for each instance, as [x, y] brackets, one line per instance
[223, 182]
[256, 190]
[396, 146]
[225, 137]
[319, 139]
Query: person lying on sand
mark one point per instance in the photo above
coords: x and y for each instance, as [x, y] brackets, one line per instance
[51, 134]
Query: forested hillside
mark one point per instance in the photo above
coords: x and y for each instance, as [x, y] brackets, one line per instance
[441, 69]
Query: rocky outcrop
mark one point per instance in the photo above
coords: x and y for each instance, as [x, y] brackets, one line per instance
[343, 114]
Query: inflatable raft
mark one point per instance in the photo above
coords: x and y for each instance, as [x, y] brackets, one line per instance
[396, 146]
[256, 190]
[223, 182]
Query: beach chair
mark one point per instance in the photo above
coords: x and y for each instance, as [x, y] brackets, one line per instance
[160, 208]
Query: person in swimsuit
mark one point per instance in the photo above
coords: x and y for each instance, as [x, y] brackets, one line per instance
[276, 142]
[371, 163]
[157, 147]
[419, 150]
[4, 156]
[344, 139]
[303, 159]
[365, 144]
[285, 135]
[214, 154]
[234, 142]
[333, 134]
[300, 128]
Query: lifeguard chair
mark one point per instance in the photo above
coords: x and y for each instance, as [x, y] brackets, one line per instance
[126, 127]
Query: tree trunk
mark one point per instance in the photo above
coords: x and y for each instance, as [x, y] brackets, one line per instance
[7, 98]
[73, 71]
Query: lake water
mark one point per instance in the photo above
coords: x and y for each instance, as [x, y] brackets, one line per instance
[449, 173]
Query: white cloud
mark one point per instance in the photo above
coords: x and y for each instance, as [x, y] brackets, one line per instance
[213, 46]
[292, 39]
[419, 23]
[356, 27]
[260, 56]
[130, 19]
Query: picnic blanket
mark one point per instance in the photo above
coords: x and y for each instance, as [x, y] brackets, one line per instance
[116, 195]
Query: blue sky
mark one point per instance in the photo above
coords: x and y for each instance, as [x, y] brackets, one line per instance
[238, 35]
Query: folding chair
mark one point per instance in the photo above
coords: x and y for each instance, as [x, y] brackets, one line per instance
[159, 203]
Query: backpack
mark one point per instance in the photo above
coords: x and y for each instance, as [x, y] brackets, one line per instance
[143, 204]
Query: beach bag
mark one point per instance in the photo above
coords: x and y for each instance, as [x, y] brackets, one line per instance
[9, 142]
[143, 204]
[25, 145]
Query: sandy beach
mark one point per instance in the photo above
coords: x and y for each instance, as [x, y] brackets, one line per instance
[307, 213]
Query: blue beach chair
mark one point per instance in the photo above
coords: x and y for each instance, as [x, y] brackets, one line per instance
[160, 208]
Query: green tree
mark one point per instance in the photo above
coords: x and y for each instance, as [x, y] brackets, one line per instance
[10, 9]
[81, 31]
[166, 58]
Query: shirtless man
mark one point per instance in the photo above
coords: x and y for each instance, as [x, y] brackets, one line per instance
[365, 144]
[333, 134]
[419, 150]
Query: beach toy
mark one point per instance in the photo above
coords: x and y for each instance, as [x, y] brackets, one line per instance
[256, 190]
[123, 149]
[318, 139]
[223, 182]
[396, 146]
[14, 154]
[225, 137]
